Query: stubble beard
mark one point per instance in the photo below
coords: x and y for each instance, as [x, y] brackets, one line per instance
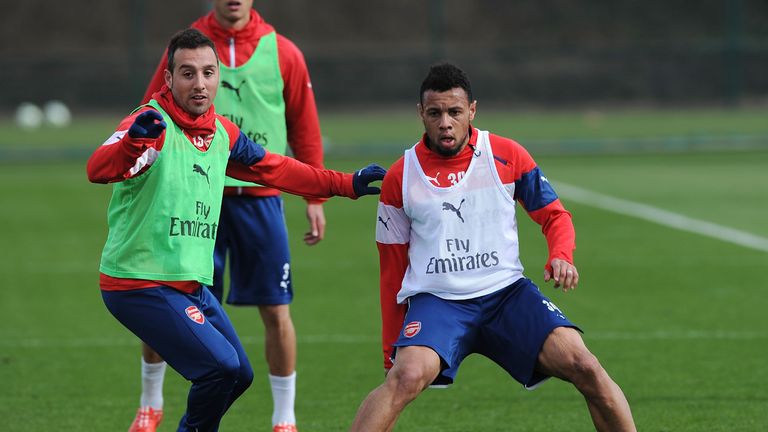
[453, 151]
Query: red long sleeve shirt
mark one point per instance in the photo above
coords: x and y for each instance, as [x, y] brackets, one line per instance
[514, 165]
[234, 48]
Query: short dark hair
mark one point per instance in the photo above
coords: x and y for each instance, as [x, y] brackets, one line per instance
[443, 77]
[188, 39]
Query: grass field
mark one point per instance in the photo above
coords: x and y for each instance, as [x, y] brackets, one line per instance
[676, 318]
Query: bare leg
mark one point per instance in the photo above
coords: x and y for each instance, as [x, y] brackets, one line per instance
[280, 339]
[150, 356]
[414, 370]
[565, 356]
[280, 350]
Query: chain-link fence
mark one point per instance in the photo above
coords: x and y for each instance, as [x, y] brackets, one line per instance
[540, 53]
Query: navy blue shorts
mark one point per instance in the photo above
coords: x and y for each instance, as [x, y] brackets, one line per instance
[191, 332]
[195, 337]
[253, 235]
[508, 326]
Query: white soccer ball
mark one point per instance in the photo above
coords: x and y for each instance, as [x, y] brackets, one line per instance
[57, 114]
[29, 116]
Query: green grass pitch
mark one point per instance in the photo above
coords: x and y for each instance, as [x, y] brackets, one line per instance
[676, 318]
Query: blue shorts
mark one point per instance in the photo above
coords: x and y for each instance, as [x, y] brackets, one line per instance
[508, 326]
[252, 233]
[195, 337]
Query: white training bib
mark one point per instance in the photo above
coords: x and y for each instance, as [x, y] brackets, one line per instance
[463, 238]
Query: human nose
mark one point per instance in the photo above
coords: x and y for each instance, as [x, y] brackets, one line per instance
[445, 121]
[199, 82]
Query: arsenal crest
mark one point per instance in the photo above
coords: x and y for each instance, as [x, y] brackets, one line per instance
[412, 329]
[195, 315]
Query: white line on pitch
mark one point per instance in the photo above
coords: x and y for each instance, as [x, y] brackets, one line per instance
[131, 341]
[675, 335]
[662, 217]
[98, 342]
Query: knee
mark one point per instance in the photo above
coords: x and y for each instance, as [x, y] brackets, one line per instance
[564, 355]
[244, 377]
[585, 364]
[245, 374]
[408, 382]
[275, 316]
[586, 373]
[234, 373]
[229, 369]
[235, 369]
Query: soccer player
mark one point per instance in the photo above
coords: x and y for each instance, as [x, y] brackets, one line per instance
[168, 161]
[451, 279]
[266, 91]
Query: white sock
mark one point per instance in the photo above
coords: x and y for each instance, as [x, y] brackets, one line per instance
[283, 395]
[152, 375]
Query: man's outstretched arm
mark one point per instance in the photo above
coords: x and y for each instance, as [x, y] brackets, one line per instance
[250, 162]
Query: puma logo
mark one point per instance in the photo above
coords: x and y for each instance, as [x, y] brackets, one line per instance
[434, 179]
[229, 86]
[198, 169]
[385, 222]
[449, 206]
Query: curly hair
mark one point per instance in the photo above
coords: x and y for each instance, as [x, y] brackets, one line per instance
[443, 77]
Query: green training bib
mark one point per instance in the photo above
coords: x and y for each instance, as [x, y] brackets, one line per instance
[252, 97]
[162, 224]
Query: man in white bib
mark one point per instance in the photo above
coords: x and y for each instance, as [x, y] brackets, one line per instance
[451, 279]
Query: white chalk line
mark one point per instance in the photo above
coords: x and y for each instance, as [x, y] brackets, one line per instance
[570, 192]
[132, 341]
[339, 339]
[662, 217]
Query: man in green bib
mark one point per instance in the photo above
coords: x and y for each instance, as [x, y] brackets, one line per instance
[167, 162]
[266, 90]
